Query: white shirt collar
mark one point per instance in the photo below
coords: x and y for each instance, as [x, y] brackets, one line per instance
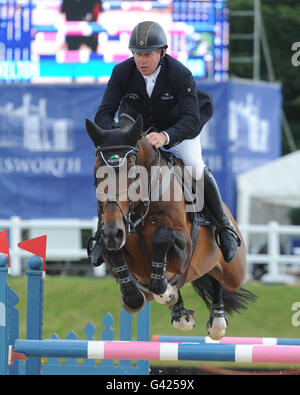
[152, 76]
[150, 81]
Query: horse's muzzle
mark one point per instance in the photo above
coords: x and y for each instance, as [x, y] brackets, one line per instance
[114, 235]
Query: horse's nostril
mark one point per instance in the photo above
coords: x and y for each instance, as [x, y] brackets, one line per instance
[114, 240]
[119, 235]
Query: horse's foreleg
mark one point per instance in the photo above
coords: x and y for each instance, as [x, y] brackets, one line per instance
[217, 324]
[133, 300]
[163, 238]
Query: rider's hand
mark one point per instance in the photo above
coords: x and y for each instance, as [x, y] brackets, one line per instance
[157, 139]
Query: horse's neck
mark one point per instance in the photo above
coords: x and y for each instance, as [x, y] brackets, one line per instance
[126, 121]
[147, 155]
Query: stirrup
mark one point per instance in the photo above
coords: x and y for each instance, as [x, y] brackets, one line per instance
[228, 229]
[94, 252]
[90, 246]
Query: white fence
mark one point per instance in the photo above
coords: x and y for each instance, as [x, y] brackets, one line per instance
[64, 243]
[63, 239]
[279, 264]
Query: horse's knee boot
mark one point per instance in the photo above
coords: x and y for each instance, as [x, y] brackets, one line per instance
[132, 297]
[133, 300]
[162, 240]
[158, 282]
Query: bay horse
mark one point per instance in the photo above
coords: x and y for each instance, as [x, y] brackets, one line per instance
[150, 244]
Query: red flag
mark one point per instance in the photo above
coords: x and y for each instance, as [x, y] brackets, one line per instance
[36, 246]
[4, 246]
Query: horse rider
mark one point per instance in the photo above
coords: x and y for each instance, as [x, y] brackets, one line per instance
[163, 90]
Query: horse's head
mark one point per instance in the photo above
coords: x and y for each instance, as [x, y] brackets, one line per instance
[117, 152]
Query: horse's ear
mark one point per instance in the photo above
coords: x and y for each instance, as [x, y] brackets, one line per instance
[95, 132]
[136, 130]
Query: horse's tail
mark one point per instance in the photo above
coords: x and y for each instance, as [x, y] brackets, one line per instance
[233, 301]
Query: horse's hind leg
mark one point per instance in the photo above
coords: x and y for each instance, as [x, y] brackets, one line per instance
[217, 324]
[162, 240]
[133, 300]
[181, 317]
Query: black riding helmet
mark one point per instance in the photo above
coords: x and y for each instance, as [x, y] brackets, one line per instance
[147, 36]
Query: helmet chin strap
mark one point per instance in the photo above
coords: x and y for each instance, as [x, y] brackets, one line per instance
[163, 51]
[162, 55]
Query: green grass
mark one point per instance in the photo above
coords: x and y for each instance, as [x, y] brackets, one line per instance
[71, 302]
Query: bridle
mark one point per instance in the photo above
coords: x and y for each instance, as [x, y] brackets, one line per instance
[137, 211]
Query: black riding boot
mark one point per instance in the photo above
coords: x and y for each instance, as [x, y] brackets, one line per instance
[95, 252]
[226, 237]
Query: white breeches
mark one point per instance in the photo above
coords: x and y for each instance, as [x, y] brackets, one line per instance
[190, 152]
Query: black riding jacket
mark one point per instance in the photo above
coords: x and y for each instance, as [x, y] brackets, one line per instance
[173, 106]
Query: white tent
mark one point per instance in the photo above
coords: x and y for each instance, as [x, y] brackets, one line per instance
[277, 182]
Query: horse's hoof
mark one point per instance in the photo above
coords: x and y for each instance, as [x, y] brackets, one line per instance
[169, 298]
[133, 304]
[217, 329]
[185, 324]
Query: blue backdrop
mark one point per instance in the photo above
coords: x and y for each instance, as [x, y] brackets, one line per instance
[47, 158]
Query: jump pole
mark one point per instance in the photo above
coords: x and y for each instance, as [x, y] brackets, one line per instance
[228, 340]
[158, 351]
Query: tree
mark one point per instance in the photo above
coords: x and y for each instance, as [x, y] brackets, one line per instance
[282, 25]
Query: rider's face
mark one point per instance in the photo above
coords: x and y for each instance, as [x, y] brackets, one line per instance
[147, 62]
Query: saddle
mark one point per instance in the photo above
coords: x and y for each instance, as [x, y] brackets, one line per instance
[202, 218]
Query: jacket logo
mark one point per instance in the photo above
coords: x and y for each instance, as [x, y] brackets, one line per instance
[167, 96]
[132, 96]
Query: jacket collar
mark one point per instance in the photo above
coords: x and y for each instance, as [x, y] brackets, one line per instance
[140, 83]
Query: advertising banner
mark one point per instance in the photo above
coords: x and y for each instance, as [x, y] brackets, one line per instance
[47, 158]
